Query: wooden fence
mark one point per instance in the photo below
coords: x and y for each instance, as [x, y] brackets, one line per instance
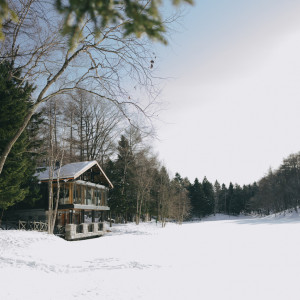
[36, 226]
[8, 225]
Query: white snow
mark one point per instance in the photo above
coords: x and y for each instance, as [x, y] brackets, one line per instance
[72, 170]
[217, 258]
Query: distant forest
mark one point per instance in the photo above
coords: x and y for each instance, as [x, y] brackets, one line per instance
[81, 128]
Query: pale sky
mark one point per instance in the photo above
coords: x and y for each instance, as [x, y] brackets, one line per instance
[234, 98]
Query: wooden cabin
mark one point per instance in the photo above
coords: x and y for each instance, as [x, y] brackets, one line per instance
[82, 202]
[83, 192]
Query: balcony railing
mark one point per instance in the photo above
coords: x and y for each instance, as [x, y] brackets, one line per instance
[91, 227]
[83, 231]
[79, 228]
[100, 226]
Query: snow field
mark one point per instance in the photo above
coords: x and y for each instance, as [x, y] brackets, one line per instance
[237, 258]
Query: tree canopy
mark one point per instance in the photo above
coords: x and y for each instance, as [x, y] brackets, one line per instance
[142, 17]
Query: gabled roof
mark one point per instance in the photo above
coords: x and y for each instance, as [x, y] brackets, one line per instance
[72, 171]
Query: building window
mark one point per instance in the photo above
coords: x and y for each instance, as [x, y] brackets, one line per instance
[98, 197]
[94, 196]
[77, 194]
[104, 198]
[65, 195]
[88, 196]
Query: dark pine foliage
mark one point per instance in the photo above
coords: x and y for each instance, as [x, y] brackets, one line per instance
[197, 198]
[207, 199]
[16, 180]
[120, 172]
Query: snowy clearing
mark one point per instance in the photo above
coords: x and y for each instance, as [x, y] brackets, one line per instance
[219, 258]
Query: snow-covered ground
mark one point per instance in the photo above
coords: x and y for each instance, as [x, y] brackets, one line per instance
[217, 258]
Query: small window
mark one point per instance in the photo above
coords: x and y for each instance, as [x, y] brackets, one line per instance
[61, 193]
[94, 201]
[65, 195]
[77, 194]
[104, 198]
[98, 197]
[88, 196]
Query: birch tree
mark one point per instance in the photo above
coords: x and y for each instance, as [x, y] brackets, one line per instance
[55, 156]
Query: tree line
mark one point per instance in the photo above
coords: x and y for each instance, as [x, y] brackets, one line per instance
[79, 128]
[207, 198]
[279, 189]
[91, 96]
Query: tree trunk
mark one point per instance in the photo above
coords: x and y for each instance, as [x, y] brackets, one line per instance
[1, 217]
[50, 204]
[54, 213]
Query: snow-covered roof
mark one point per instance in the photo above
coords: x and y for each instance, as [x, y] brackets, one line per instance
[71, 171]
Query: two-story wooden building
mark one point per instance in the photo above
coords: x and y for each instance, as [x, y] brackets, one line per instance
[82, 205]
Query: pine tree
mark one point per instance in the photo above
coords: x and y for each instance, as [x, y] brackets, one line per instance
[121, 173]
[197, 198]
[237, 200]
[17, 174]
[217, 192]
[209, 199]
[229, 199]
[223, 199]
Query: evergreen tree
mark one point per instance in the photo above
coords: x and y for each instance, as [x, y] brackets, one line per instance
[17, 174]
[121, 173]
[217, 192]
[229, 198]
[197, 198]
[237, 200]
[223, 199]
[209, 197]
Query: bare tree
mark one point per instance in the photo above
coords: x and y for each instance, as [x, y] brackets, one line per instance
[110, 66]
[95, 126]
[180, 205]
[55, 155]
[164, 195]
[145, 166]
